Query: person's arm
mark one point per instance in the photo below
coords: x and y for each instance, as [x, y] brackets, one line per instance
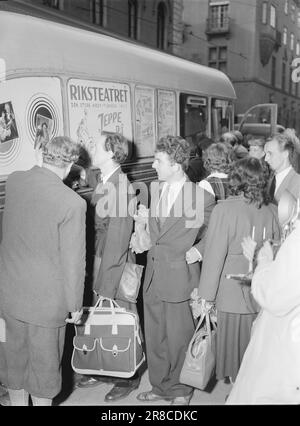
[275, 284]
[72, 252]
[114, 255]
[216, 250]
[198, 248]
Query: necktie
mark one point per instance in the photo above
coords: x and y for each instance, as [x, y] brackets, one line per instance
[272, 188]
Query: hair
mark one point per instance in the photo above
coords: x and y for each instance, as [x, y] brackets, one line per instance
[247, 177]
[118, 145]
[229, 137]
[239, 136]
[217, 157]
[177, 148]
[60, 151]
[261, 141]
[288, 141]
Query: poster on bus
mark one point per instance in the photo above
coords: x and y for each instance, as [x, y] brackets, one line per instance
[144, 121]
[166, 111]
[97, 106]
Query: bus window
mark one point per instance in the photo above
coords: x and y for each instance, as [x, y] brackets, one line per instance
[166, 113]
[221, 117]
[193, 118]
[144, 121]
[260, 121]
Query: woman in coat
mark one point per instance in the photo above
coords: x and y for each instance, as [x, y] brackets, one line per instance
[244, 212]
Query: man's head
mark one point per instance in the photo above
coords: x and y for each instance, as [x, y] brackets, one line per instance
[60, 153]
[172, 155]
[282, 150]
[109, 147]
[256, 148]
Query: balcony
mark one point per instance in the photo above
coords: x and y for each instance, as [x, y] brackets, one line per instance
[217, 26]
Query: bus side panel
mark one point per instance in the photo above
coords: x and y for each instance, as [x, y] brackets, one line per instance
[28, 106]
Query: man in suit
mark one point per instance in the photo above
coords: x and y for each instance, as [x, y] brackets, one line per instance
[42, 256]
[114, 201]
[178, 210]
[282, 151]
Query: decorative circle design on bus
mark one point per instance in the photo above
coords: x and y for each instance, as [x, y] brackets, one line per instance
[10, 148]
[42, 116]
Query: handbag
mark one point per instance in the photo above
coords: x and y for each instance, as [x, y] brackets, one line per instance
[107, 341]
[200, 360]
[130, 282]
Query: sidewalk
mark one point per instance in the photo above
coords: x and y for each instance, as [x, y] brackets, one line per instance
[215, 395]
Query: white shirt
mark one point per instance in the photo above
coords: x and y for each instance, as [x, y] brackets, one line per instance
[174, 189]
[207, 186]
[106, 177]
[280, 176]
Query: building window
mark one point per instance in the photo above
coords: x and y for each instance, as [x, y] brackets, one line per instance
[273, 16]
[283, 76]
[218, 15]
[286, 7]
[97, 11]
[56, 4]
[290, 81]
[132, 18]
[284, 36]
[298, 48]
[217, 58]
[264, 12]
[298, 19]
[273, 71]
[292, 41]
[293, 12]
[161, 26]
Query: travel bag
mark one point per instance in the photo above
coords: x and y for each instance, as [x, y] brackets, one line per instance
[107, 341]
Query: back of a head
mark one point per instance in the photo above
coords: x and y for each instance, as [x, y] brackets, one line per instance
[177, 148]
[118, 145]
[217, 157]
[247, 177]
[60, 151]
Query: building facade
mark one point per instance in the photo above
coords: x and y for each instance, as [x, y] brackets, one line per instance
[254, 42]
[155, 23]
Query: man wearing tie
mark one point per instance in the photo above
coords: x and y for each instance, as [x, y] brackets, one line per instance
[282, 151]
[179, 208]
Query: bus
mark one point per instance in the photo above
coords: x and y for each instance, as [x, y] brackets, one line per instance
[64, 80]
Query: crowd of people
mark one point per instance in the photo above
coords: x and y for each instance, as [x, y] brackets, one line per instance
[209, 217]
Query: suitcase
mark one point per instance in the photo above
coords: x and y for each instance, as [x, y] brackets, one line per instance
[107, 341]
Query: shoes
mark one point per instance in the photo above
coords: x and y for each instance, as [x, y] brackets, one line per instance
[5, 400]
[120, 391]
[151, 396]
[92, 381]
[181, 400]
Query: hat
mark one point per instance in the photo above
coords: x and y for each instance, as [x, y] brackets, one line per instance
[257, 142]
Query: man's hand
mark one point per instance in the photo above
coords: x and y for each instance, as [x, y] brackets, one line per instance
[192, 256]
[265, 254]
[75, 317]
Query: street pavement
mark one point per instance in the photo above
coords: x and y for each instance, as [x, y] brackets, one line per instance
[215, 394]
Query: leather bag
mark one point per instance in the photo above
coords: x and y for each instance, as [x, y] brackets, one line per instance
[107, 341]
[200, 360]
[130, 283]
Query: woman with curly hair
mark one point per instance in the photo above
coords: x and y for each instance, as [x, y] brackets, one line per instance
[245, 212]
[217, 160]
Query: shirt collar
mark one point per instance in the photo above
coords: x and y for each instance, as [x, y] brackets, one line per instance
[106, 177]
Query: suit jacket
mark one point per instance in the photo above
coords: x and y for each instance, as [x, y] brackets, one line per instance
[114, 226]
[290, 182]
[231, 221]
[167, 270]
[42, 253]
